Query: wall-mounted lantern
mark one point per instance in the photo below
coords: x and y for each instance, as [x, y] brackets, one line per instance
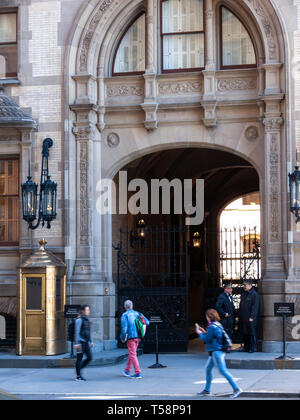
[42, 205]
[295, 193]
[139, 233]
[197, 240]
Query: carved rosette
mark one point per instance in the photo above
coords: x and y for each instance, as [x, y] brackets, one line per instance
[272, 129]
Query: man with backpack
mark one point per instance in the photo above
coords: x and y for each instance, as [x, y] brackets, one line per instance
[83, 341]
[217, 344]
[133, 330]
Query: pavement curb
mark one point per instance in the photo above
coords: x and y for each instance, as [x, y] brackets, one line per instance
[253, 364]
[19, 362]
[270, 394]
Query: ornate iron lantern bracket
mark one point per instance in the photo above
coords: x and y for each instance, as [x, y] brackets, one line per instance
[40, 205]
[295, 193]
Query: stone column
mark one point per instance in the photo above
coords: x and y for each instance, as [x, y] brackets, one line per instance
[273, 281]
[209, 101]
[150, 105]
[88, 285]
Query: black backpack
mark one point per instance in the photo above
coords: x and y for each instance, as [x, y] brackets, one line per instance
[226, 341]
[71, 331]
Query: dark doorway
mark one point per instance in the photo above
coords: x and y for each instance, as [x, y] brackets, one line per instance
[226, 177]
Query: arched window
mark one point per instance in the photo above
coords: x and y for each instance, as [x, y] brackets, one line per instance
[182, 35]
[130, 55]
[237, 48]
[2, 328]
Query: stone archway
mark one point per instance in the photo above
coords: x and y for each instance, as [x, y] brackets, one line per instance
[103, 147]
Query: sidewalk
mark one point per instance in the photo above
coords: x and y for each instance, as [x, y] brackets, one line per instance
[184, 377]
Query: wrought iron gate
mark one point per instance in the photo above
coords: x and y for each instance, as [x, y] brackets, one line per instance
[240, 260]
[240, 257]
[153, 272]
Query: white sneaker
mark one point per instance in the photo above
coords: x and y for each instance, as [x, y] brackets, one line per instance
[236, 394]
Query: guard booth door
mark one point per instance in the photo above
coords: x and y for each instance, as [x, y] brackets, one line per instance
[34, 317]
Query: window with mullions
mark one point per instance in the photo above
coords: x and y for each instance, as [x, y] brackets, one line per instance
[237, 49]
[182, 32]
[130, 56]
[8, 45]
[9, 202]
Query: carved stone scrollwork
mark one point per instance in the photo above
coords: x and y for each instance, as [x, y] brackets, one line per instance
[273, 124]
[179, 88]
[237, 84]
[87, 39]
[124, 90]
[272, 129]
[267, 25]
[84, 195]
[84, 134]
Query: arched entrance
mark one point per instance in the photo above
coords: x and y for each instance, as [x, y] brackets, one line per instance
[116, 120]
[163, 270]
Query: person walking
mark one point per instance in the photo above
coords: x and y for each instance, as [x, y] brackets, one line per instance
[248, 317]
[226, 310]
[83, 341]
[213, 338]
[130, 335]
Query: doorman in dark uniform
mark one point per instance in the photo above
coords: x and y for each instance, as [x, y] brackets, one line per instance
[225, 308]
[248, 316]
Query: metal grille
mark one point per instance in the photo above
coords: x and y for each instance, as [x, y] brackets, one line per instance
[153, 272]
[240, 258]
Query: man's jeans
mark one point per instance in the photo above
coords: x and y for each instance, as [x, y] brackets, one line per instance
[132, 356]
[218, 359]
[86, 350]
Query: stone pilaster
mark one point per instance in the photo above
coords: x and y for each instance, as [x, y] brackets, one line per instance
[150, 104]
[272, 287]
[209, 101]
[87, 285]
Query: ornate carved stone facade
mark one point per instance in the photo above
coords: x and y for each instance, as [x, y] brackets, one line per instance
[87, 112]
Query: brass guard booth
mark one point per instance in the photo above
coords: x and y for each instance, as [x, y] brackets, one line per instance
[41, 301]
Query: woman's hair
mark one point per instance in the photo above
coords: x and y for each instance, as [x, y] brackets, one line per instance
[213, 315]
[83, 308]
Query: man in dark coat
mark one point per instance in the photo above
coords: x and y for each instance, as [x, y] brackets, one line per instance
[225, 308]
[248, 316]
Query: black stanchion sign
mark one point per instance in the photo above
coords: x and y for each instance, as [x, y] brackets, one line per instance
[156, 320]
[72, 311]
[284, 310]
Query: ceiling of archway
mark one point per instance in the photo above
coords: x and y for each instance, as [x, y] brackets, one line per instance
[226, 175]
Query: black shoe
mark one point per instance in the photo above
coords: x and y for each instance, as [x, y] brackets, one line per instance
[243, 350]
[204, 394]
[80, 379]
[251, 351]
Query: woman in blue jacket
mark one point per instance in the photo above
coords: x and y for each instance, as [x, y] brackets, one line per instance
[213, 338]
